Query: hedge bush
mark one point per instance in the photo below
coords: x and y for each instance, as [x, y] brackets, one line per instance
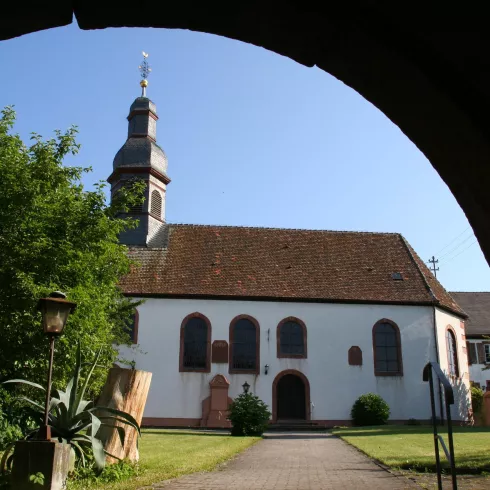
[15, 419]
[476, 399]
[249, 415]
[370, 409]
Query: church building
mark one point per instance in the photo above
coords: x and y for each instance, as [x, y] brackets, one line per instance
[308, 320]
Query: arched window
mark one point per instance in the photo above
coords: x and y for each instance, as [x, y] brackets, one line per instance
[291, 338]
[244, 345]
[452, 353]
[195, 343]
[387, 349]
[133, 327]
[156, 204]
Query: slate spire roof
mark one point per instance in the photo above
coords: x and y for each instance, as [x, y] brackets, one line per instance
[231, 262]
[141, 149]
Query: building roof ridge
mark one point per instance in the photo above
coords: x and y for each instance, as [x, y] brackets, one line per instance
[319, 230]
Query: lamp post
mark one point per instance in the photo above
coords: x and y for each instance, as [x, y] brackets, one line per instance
[245, 387]
[54, 310]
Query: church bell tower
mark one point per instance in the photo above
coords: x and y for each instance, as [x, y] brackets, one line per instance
[141, 158]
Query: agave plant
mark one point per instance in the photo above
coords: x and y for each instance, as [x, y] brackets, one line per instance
[76, 421]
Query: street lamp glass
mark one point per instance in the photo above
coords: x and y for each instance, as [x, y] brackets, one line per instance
[55, 312]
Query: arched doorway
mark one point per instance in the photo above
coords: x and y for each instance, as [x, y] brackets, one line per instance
[290, 396]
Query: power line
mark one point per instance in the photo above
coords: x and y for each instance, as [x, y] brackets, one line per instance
[464, 250]
[457, 246]
[453, 240]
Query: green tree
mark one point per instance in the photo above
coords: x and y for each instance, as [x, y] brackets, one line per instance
[56, 235]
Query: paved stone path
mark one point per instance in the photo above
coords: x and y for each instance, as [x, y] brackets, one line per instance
[302, 461]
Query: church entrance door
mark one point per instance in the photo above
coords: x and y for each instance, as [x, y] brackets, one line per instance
[291, 398]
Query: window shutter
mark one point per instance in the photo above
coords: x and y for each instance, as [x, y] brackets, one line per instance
[471, 350]
[481, 353]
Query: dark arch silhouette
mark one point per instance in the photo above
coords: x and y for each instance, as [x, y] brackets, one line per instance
[427, 72]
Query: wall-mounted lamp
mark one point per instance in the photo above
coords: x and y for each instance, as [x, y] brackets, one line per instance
[266, 369]
[245, 387]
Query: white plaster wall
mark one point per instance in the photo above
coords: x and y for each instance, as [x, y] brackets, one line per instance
[477, 372]
[332, 330]
[461, 385]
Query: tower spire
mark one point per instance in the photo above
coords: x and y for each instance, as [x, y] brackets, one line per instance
[141, 158]
[145, 71]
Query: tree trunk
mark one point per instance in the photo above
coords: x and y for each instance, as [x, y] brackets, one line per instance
[126, 390]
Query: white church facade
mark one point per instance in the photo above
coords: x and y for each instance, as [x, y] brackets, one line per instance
[309, 319]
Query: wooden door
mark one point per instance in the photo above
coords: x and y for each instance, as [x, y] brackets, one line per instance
[291, 398]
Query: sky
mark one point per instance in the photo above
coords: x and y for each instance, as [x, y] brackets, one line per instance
[252, 138]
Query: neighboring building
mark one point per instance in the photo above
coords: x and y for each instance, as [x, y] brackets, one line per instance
[310, 319]
[477, 307]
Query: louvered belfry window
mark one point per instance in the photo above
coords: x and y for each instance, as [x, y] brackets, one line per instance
[387, 349]
[156, 204]
[244, 346]
[195, 344]
[128, 185]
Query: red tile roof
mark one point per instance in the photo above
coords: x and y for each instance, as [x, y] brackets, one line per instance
[283, 264]
[477, 307]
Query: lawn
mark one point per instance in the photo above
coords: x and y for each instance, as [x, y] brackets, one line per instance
[167, 454]
[412, 448]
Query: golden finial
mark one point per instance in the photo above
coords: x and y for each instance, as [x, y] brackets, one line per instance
[145, 71]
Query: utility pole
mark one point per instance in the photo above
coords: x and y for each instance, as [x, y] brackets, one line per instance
[434, 269]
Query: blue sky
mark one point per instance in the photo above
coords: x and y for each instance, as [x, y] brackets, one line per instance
[252, 138]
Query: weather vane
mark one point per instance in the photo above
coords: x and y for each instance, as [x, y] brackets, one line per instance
[145, 71]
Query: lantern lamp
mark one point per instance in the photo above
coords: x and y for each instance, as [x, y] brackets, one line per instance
[245, 387]
[55, 310]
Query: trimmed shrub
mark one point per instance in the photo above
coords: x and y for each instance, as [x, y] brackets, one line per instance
[476, 399]
[370, 409]
[249, 415]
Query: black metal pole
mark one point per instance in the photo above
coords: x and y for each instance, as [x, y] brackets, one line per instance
[451, 445]
[434, 429]
[45, 432]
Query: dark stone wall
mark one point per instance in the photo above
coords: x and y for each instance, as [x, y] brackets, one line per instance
[426, 68]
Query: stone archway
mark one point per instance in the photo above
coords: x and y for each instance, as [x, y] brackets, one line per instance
[418, 69]
[298, 386]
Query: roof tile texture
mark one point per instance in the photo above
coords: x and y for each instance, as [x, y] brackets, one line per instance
[226, 261]
[477, 307]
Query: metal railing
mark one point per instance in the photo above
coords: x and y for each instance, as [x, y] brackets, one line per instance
[430, 369]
